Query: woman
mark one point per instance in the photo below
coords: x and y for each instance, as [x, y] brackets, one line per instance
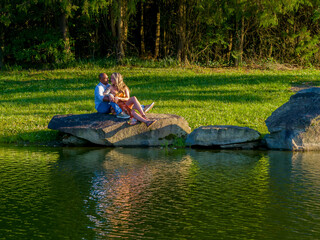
[122, 97]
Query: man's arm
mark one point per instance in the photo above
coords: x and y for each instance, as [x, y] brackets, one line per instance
[106, 98]
[99, 94]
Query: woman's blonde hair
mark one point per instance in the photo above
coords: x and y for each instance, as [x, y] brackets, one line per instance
[119, 84]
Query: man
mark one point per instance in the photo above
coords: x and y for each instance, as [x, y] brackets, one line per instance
[104, 102]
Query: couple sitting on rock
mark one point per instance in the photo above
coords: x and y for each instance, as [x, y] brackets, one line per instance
[115, 99]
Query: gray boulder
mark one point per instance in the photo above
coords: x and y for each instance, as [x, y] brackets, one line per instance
[296, 124]
[107, 130]
[71, 140]
[224, 136]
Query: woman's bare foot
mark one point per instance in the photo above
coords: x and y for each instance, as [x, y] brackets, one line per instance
[150, 123]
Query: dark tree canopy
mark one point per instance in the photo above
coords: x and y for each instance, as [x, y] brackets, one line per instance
[228, 32]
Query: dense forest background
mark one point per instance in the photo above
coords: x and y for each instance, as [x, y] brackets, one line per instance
[210, 32]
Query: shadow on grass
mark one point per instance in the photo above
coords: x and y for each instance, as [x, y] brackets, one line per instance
[27, 101]
[77, 92]
[41, 137]
[174, 95]
[239, 88]
[46, 85]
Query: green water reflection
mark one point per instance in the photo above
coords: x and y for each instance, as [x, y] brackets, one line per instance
[94, 193]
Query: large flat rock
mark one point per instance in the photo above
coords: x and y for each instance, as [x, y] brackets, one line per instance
[107, 130]
[296, 124]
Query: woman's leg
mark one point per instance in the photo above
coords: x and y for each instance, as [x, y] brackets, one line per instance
[134, 101]
[138, 116]
[142, 119]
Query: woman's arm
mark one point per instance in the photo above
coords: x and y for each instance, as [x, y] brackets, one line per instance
[126, 98]
[127, 94]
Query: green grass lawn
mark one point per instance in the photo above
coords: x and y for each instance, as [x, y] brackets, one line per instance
[242, 97]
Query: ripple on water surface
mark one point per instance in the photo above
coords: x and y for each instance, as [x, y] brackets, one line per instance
[94, 193]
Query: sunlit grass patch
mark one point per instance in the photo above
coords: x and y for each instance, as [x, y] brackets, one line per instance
[29, 99]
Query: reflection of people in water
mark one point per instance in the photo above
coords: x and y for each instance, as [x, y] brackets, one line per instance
[121, 192]
[118, 193]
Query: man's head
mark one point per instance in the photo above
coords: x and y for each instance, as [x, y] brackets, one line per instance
[103, 78]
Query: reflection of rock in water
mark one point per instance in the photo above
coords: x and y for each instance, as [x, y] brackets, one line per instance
[280, 161]
[287, 168]
[307, 160]
[225, 157]
[307, 173]
[307, 163]
[295, 185]
[140, 156]
[87, 158]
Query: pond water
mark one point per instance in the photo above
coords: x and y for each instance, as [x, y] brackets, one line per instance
[98, 193]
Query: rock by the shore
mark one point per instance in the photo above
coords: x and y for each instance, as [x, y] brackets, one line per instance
[224, 136]
[296, 124]
[107, 130]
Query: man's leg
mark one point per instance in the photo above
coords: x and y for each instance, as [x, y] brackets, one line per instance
[116, 108]
[104, 107]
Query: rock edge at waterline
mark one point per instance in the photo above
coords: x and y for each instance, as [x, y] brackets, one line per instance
[295, 125]
[107, 130]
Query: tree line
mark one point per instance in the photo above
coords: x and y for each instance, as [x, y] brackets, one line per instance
[231, 32]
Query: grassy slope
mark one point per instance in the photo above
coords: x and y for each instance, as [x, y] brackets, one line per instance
[202, 96]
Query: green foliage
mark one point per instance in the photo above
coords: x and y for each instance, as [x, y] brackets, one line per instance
[307, 45]
[38, 47]
[137, 62]
[5, 15]
[217, 33]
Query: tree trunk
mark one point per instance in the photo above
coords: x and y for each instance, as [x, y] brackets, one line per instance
[241, 39]
[114, 32]
[119, 27]
[142, 45]
[64, 30]
[120, 50]
[165, 44]
[113, 25]
[230, 47]
[238, 53]
[1, 58]
[182, 26]
[157, 44]
[270, 51]
[1, 47]
[124, 24]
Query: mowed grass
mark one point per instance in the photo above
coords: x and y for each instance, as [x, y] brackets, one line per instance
[203, 96]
